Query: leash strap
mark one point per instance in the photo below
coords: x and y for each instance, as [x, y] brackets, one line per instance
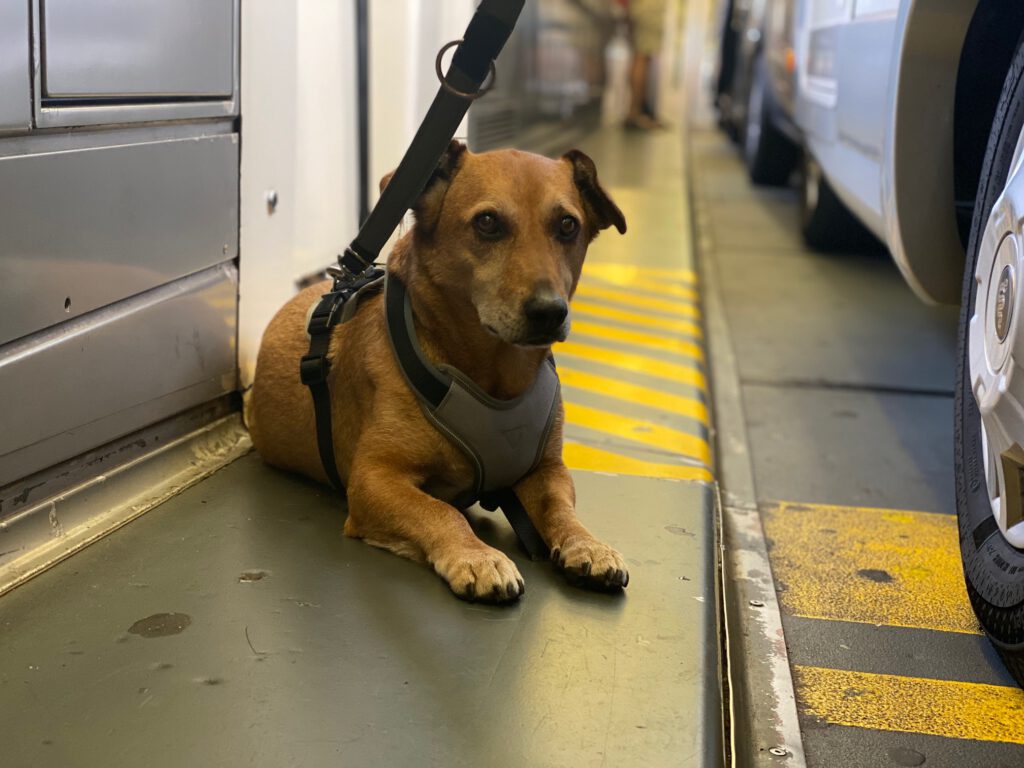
[485, 36]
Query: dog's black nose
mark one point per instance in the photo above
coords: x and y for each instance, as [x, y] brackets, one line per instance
[545, 315]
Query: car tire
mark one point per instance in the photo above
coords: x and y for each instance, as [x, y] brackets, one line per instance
[825, 222]
[769, 154]
[993, 567]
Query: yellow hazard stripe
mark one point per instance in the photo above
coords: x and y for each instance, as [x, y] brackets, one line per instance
[662, 287]
[623, 273]
[683, 327]
[637, 363]
[639, 431]
[689, 407]
[639, 339]
[590, 459]
[912, 704]
[872, 566]
[631, 299]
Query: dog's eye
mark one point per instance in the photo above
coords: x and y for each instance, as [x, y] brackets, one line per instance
[567, 228]
[487, 224]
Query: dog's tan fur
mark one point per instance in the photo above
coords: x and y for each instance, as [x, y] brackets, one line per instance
[468, 294]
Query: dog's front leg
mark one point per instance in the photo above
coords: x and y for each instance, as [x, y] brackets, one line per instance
[549, 496]
[388, 510]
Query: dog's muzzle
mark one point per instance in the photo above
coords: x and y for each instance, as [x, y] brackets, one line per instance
[545, 319]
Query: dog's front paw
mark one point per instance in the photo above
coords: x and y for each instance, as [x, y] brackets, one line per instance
[587, 562]
[485, 576]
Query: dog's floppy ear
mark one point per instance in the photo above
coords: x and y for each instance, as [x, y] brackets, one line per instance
[601, 211]
[428, 206]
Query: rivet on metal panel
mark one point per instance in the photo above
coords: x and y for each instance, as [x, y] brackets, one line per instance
[271, 201]
[757, 603]
[779, 751]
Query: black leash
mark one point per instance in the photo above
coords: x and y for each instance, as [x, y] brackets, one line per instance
[485, 36]
[357, 274]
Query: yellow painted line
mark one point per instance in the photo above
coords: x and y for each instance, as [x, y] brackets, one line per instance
[689, 407]
[912, 704]
[684, 327]
[623, 273]
[639, 431]
[871, 566]
[640, 339]
[590, 459]
[632, 361]
[663, 287]
[631, 299]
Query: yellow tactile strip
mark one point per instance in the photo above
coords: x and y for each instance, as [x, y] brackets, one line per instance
[872, 566]
[633, 376]
[885, 567]
[912, 704]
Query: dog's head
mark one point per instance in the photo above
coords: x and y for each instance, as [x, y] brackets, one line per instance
[507, 231]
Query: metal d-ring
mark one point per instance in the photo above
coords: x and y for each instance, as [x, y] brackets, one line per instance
[484, 87]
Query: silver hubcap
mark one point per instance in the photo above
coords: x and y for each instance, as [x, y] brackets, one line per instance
[996, 350]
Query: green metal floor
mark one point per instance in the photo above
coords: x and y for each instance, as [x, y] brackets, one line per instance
[297, 646]
[236, 625]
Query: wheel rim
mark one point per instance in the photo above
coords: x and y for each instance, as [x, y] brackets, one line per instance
[996, 351]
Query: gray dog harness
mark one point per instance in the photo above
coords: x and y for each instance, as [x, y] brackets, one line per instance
[503, 439]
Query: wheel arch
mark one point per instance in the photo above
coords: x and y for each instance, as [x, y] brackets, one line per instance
[987, 55]
[941, 110]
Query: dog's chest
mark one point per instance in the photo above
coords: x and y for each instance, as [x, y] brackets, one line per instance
[451, 477]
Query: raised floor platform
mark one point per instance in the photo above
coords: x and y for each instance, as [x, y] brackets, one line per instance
[236, 625]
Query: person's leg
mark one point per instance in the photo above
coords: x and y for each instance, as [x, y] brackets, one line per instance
[638, 84]
[647, 17]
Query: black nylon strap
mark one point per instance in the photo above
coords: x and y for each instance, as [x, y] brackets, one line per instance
[485, 36]
[315, 365]
[313, 371]
[422, 379]
[529, 538]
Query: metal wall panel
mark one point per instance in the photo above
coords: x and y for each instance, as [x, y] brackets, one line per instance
[145, 48]
[93, 379]
[15, 88]
[82, 229]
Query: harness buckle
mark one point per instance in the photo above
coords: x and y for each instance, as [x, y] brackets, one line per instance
[353, 266]
[323, 317]
[313, 369]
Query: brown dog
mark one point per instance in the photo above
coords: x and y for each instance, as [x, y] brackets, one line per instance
[490, 265]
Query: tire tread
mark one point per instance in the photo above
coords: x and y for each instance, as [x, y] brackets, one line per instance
[1004, 624]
